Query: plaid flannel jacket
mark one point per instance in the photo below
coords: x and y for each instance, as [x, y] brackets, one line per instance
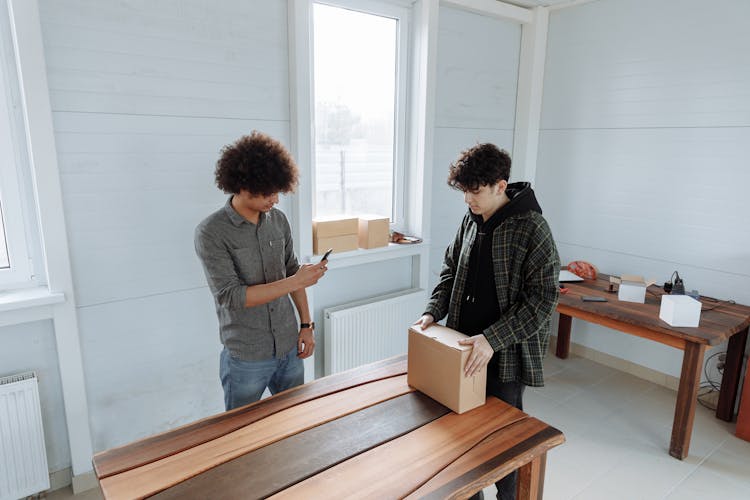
[526, 267]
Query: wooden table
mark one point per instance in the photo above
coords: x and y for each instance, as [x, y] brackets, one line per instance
[723, 321]
[363, 433]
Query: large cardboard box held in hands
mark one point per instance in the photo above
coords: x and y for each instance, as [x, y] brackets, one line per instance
[435, 367]
[339, 233]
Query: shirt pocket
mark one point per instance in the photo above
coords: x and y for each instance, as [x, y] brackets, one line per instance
[277, 258]
[248, 265]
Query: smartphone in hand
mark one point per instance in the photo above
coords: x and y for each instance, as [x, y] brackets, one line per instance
[326, 254]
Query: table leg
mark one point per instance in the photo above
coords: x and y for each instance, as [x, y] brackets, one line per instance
[531, 479]
[687, 395]
[730, 381]
[563, 336]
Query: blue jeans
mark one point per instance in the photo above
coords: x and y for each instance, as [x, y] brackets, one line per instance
[244, 381]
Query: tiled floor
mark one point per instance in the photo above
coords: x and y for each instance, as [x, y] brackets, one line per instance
[617, 428]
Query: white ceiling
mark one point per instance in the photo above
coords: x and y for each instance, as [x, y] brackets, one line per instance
[540, 3]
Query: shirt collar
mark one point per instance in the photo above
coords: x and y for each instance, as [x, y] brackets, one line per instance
[236, 218]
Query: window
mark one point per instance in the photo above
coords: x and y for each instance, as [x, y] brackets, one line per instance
[359, 68]
[14, 258]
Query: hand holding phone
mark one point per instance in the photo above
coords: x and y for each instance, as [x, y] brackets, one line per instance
[326, 254]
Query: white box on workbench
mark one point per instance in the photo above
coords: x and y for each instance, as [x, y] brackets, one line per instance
[680, 310]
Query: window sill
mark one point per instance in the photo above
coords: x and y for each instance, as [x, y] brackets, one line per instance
[28, 304]
[368, 256]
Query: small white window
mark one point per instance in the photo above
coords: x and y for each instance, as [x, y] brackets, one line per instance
[15, 269]
[359, 67]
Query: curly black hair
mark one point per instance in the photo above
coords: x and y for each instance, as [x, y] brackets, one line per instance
[480, 165]
[257, 163]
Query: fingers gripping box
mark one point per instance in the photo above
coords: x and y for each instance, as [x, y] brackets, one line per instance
[436, 364]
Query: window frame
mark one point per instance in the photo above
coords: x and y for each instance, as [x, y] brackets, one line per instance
[399, 11]
[19, 274]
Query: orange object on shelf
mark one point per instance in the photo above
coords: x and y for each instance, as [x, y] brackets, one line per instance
[743, 418]
[582, 269]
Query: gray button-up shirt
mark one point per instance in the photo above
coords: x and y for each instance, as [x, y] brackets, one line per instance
[236, 254]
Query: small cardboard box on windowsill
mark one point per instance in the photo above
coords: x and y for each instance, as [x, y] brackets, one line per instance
[374, 231]
[339, 233]
[435, 367]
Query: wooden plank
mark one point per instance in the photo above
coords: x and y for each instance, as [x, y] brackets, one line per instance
[400, 466]
[157, 476]
[531, 479]
[743, 418]
[638, 331]
[730, 380]
[563, 336]
[495, 457]
[322, 447]
[687, 395]
[118, 460]
[716, 325]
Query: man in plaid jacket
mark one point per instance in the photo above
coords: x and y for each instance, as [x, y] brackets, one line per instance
[499, 281]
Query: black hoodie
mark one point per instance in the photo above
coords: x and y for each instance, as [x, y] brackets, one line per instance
[479, 307]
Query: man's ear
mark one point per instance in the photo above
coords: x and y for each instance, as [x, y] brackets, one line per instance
[501, 186]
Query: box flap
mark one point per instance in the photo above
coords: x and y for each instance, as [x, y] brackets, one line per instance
[444, 335]
[634, 278]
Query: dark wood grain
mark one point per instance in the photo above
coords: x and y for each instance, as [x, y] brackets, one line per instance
[501, 453]
[730, 380]
[117, 460]
[277, 466]
[563, 336]
[400, 466]
[687, 396]
[154, 477]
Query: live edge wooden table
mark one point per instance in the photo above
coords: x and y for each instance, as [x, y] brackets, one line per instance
[719, 321]
[359, 434]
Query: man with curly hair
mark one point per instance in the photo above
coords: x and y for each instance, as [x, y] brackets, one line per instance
[247, 254]
[499, 280]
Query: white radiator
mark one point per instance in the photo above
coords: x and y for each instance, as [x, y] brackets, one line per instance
[370, 330]
[23, 459]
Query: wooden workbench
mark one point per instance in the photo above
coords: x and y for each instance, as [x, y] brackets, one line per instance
[720, 321]
[363, 433]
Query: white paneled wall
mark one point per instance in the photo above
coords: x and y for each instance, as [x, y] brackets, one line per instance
[144, 95]
[477, 68]
[643, 151]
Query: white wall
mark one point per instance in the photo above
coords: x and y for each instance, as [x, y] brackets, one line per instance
[477, 75]
[642, 165]
[144, 95]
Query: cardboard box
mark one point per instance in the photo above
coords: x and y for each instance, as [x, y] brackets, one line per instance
[632, 289]
[339, 233]
[680, 310]
[345, 243]
[374, 231]
[436, 364]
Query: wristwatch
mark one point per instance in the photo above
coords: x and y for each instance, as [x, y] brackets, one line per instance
[310, 325]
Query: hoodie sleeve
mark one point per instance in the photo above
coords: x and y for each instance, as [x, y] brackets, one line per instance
[538, 297]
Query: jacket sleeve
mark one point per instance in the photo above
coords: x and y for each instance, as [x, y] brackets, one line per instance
[439, 302]
[529, 315]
